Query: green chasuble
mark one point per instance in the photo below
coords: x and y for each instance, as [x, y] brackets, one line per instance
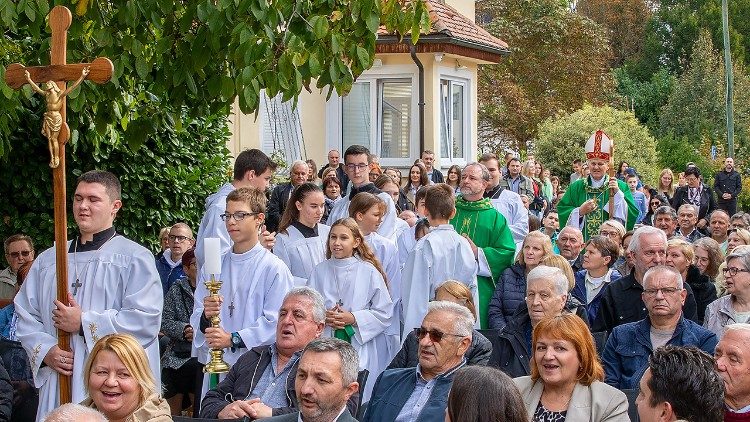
[487, 228]
[580, 191]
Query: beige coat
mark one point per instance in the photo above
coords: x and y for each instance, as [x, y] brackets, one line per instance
[595, 403]
[154, 409]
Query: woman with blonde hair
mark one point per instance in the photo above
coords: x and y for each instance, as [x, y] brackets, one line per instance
[510, 288]
[666, 184]
[120, 383]
[566, 376]
[680, 256]
[478, 352]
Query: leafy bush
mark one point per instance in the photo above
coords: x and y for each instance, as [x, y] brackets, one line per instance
[164, 182]
[563, 139]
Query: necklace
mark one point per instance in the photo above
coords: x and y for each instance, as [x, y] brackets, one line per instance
[340, 302]
[77, 283]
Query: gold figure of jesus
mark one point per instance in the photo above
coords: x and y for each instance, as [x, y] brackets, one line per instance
[52, 117]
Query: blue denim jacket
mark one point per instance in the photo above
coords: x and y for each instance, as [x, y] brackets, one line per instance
[628, 348]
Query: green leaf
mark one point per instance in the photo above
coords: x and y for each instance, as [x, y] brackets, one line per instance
[364, 57]
[142, 67]
[319, 26]
[190, 82]
[227, 87]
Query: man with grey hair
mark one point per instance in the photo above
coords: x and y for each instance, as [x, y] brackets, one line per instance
[629, 346]
[623, 302]
[261, 382]
[570, 244]
[281, 193]
[326, 381]
[732, 358]
[687, 218]
[421, 393]
[665, 219]
[74, 412]
[546, 295]
[487, 231]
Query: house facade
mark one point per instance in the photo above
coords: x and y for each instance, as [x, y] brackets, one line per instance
[382, 111]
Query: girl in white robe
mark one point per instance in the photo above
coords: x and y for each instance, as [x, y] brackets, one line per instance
[301, 239]
[356, 295]
[367, 210]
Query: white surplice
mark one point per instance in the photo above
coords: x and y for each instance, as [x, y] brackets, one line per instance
[509, 204]
[362, 290]
[212, 225]
[388, 224]
[301, 254]
[253, 284]
[406, 243]
[621, 207]
[439, 256]
[401, 226]
[120, 292]
[385, 251]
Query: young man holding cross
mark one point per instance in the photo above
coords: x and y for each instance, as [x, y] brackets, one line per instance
[113, 285]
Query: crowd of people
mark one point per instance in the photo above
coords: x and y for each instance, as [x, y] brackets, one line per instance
[498, 292]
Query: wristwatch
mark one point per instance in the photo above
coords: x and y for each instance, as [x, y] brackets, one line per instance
[236, 341]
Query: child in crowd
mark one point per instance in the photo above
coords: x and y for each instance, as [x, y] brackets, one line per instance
[359, 307]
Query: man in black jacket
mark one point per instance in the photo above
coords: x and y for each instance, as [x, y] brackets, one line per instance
[261, 382]
[281, 193]
[728, 185]
[622, 302]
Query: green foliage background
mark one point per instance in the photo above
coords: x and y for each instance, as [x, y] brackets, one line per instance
[562, 139]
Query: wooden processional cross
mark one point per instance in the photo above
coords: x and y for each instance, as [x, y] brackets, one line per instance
[57, 133]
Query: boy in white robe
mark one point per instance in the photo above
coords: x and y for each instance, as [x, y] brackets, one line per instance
[357, 161]
[254, 284]
[114, 287]
[408, 239]
[252, 168]
[439, 256]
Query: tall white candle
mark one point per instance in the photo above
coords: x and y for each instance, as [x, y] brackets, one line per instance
[212, 250]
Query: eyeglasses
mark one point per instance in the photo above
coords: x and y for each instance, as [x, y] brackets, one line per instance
[435, 335]
[665, 291]
[238, 216]
[356, 167]
[16, 255]
[608, 233]
[734, 270]
[179, 239]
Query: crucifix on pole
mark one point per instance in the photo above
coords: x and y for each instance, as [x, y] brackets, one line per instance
[56, 130]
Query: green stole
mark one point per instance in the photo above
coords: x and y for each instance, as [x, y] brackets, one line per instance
[581, 191]
[487, 228]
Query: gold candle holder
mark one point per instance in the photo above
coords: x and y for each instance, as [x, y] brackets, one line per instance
[216, 365]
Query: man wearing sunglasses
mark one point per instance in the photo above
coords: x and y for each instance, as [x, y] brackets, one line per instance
[421, 393]
[19, 249]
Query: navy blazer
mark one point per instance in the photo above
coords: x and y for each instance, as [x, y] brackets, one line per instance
[393, 389]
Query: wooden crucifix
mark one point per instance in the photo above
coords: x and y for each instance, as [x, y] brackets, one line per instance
[56, 130]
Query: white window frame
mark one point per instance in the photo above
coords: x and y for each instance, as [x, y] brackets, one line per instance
[334, 135]
[456, 77]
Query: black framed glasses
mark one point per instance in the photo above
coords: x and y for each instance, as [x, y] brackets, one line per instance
[178, 239]
[734, 270]
[435, 335]
[355, 167]
[665, 291]
[16, 255]
[238, 216]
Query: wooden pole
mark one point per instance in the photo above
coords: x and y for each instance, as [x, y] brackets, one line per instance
[59, 20]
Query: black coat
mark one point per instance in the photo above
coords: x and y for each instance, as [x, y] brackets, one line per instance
[512, 353]
[6, 395]
[276, 205]
[708, 203]
[479, 352]
[703, 288]
[244, 376]
[730, 183]
[510, 291]
[622, 303]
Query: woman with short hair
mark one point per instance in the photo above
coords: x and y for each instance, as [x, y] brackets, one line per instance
[735, 306]
[566, 376]
[120, 383]
[598, 272]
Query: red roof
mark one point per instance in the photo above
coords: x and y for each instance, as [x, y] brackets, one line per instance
[447, 22]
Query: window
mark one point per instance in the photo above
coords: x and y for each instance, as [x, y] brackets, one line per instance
[453, 117]
[378, 113]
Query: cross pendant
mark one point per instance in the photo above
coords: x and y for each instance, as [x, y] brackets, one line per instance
[340, 303]
[231, 309]
[75, 286]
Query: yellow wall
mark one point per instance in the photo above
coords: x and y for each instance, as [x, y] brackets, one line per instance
[464, 7]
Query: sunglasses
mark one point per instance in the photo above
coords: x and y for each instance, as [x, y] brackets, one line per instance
[435, 335]
[16, 255]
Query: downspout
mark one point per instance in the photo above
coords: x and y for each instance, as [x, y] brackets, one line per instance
[413, 51]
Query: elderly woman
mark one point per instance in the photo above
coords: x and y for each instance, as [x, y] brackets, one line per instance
[736, 239]
[740, 220]
[573, 305]
[566, 376]
[484, 394]
[479, 351]
[680, 256]
[510, 288]
[546, 295]
[708, 258]
[179, 370]
[614, 230]
[592, 282]
[735, 306]
[120, 383]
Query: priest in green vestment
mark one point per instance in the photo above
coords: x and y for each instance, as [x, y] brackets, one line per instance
[487, 232]
[585, 204]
